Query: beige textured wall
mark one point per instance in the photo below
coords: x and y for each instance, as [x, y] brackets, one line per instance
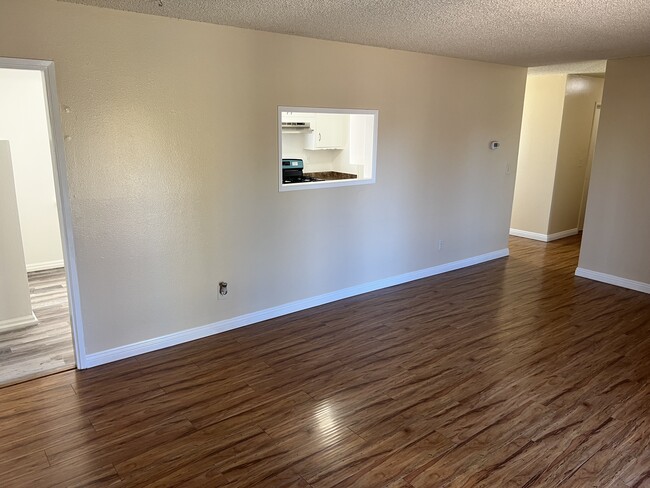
[173, 163]
[582, 95]
[14, 290]
[616, 237]
[23, 122]
[538, 151]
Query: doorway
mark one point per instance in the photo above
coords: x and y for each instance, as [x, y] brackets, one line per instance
[558, 135]
[40, 326]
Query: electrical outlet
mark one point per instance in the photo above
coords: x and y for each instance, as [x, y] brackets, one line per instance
[441, 243]
[222, 290]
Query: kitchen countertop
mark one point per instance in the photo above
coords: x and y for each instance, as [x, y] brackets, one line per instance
[331, 175]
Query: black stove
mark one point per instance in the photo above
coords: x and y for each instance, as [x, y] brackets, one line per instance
[292, 172]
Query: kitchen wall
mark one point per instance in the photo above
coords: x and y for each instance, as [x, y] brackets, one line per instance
[616, 235]
[538, 151]
[15, 305]
[582, 95]
[172, 173]
[23, 122]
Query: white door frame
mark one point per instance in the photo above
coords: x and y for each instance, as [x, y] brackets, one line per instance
[62, 195]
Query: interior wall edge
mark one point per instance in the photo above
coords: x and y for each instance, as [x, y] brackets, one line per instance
[162, 342]
[613, 280]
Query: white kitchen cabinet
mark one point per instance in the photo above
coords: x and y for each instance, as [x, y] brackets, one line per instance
[329, 131]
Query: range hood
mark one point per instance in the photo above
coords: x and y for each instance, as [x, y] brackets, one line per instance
[296, 126]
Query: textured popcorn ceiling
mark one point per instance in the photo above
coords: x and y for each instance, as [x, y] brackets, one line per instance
[517, 32]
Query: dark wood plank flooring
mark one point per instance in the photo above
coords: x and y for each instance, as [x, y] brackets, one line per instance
[510, 373]
[42, 349]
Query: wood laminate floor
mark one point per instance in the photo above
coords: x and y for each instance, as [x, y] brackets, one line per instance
[42, 349]
[513, 373]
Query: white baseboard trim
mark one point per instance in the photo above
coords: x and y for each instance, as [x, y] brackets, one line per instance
[613, 280]
[528, 235]
[562, 234]
[123, 352]
[45, 265]
[543, 237]
[18, 322]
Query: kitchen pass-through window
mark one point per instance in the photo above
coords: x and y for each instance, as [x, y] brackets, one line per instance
[323, 147]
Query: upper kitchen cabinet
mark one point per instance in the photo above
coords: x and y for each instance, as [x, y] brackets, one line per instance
[329, 131]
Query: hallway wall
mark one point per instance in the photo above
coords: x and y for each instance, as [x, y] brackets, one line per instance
[581, 96]
[538, 149]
